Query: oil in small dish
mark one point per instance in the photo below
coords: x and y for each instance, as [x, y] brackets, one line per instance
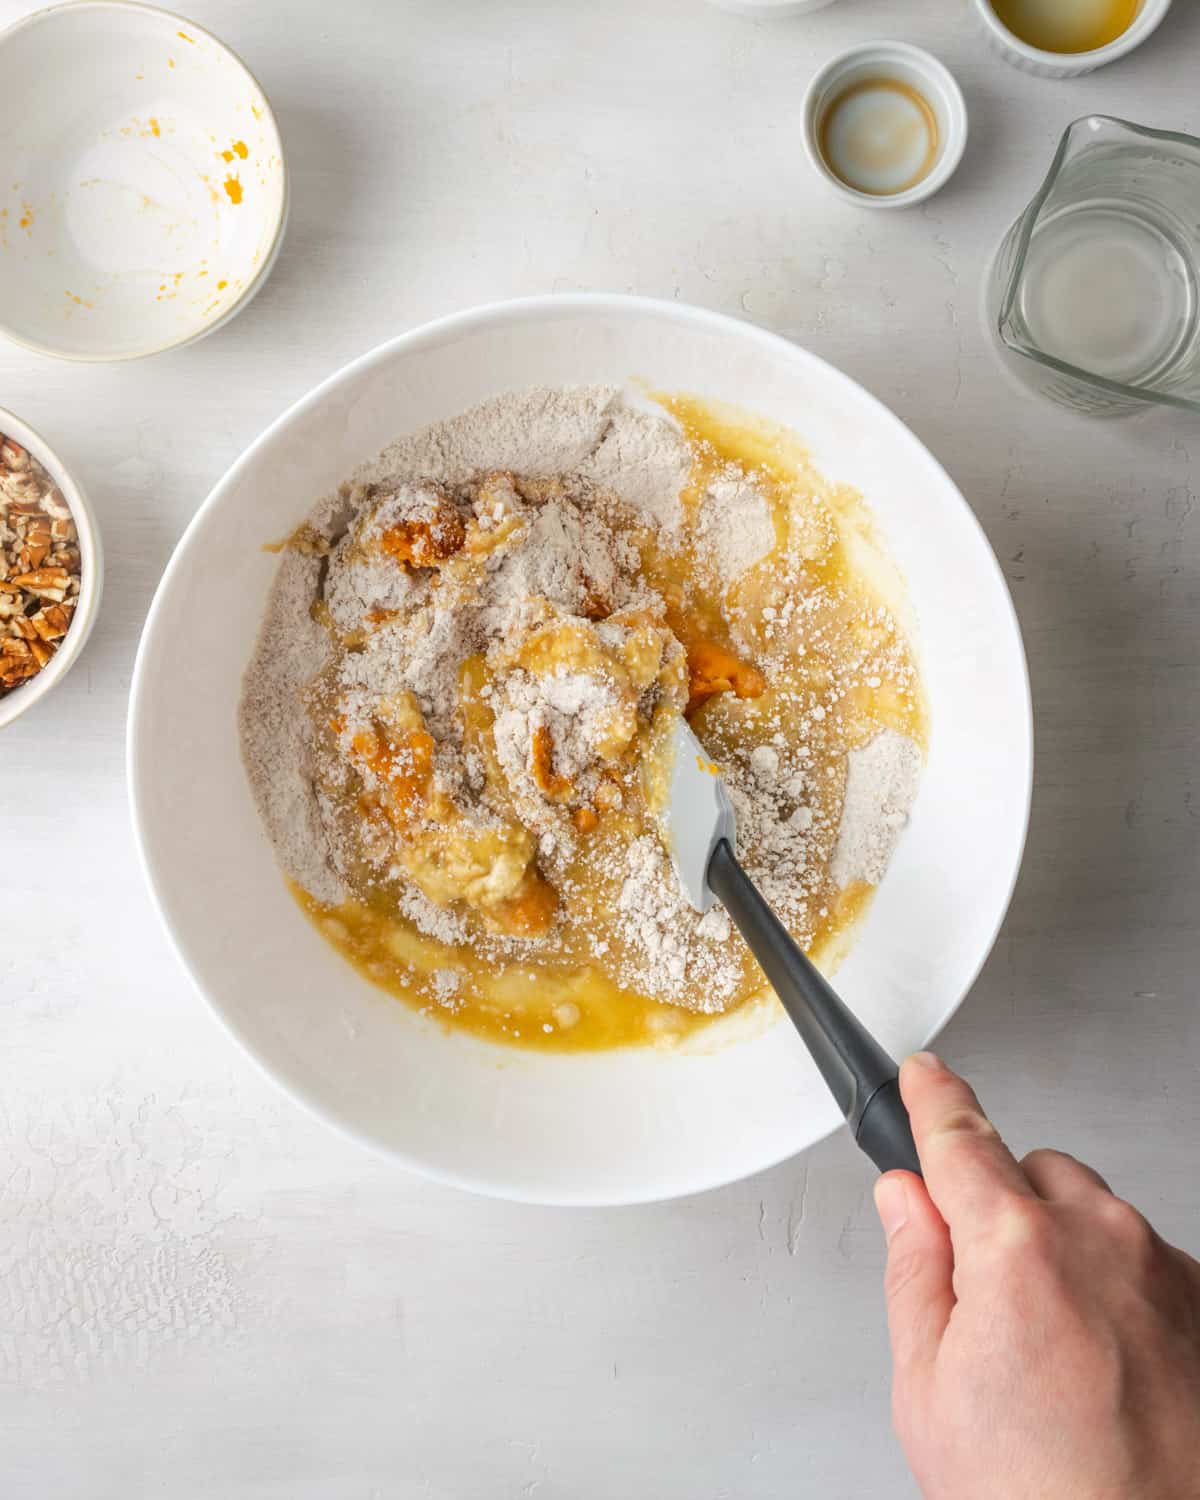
[1066, 25]
[879, 136]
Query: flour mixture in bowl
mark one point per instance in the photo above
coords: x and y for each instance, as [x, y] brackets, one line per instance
[466, 655]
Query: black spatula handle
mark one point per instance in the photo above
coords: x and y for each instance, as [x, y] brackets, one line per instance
[861, 1075]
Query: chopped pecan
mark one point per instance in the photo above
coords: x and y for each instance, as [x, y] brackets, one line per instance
[44, 583]
[39, 566]
[50, 623]
[12, 455]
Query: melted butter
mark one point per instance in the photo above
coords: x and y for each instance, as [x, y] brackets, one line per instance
[564, 1000]
[1067, 25]
[303, 539]
[521, 1002]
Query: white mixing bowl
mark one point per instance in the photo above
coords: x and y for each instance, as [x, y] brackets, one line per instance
[610, 1127]
[143, 194]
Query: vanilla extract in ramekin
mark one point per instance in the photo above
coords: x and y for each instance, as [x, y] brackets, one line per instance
[885, 124]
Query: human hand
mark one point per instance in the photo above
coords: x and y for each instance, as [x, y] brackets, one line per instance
[1045, 1341]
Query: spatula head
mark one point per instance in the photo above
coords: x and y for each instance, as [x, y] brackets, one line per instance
[687, 796]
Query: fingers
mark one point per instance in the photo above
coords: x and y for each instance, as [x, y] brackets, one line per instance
[920, 1268]
[1056, 1176]
[970, 1172]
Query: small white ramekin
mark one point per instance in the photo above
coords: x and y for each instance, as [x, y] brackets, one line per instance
[1067, 64]
[907, 64]
[770, 10]
[91, 577]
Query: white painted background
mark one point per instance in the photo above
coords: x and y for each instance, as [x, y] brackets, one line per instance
[205, 1294]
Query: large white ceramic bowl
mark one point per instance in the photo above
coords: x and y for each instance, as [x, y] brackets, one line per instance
[143, 194]
[600, 1128]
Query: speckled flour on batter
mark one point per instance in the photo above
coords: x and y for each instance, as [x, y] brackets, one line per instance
[413, 613]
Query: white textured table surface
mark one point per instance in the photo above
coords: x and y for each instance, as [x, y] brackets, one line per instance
[204, 1293]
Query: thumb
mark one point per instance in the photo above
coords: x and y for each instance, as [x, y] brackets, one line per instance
[918, 1282]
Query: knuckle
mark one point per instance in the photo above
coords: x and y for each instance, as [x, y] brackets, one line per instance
[1125, 1224]
[1024, 1236]
[1044, 1156]
[965, 1122]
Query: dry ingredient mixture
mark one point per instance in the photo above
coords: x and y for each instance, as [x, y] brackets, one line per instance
[468, 649]
[39, 566]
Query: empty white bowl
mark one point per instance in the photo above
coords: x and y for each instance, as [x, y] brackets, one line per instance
[91, 573]
[1068, 64]
[602, 1127]
[143, 194]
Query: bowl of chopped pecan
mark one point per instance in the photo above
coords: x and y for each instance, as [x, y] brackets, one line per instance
[50, 568]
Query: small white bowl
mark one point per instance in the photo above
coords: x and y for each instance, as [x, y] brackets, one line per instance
[91, 573]
[770, 10]
[1067, 64]
[144, 193]
[906, 64]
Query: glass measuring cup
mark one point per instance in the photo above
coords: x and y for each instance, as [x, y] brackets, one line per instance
[1093, 297]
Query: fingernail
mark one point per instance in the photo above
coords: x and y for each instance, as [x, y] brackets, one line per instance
[891, 1203]
[927, 1060]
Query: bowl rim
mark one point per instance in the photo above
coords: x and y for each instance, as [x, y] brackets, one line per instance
[91, 583]
[500, 312]
[1066, 64]
[255, 284]
[770, 10]
[923, 62]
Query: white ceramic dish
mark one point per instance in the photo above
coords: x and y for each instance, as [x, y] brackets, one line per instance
[150, 210]
[91, 581]
[770, 10]
[906, 64]
[1067, 64]
[601, 1128]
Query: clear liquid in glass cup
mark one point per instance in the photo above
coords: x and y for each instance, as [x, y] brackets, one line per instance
[1094, 294]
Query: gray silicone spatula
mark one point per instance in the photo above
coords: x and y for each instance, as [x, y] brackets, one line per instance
[697, 825]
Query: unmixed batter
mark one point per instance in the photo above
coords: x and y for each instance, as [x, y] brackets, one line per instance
[465, 654]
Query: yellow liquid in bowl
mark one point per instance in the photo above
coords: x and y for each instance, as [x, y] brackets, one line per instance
[1067, 25]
